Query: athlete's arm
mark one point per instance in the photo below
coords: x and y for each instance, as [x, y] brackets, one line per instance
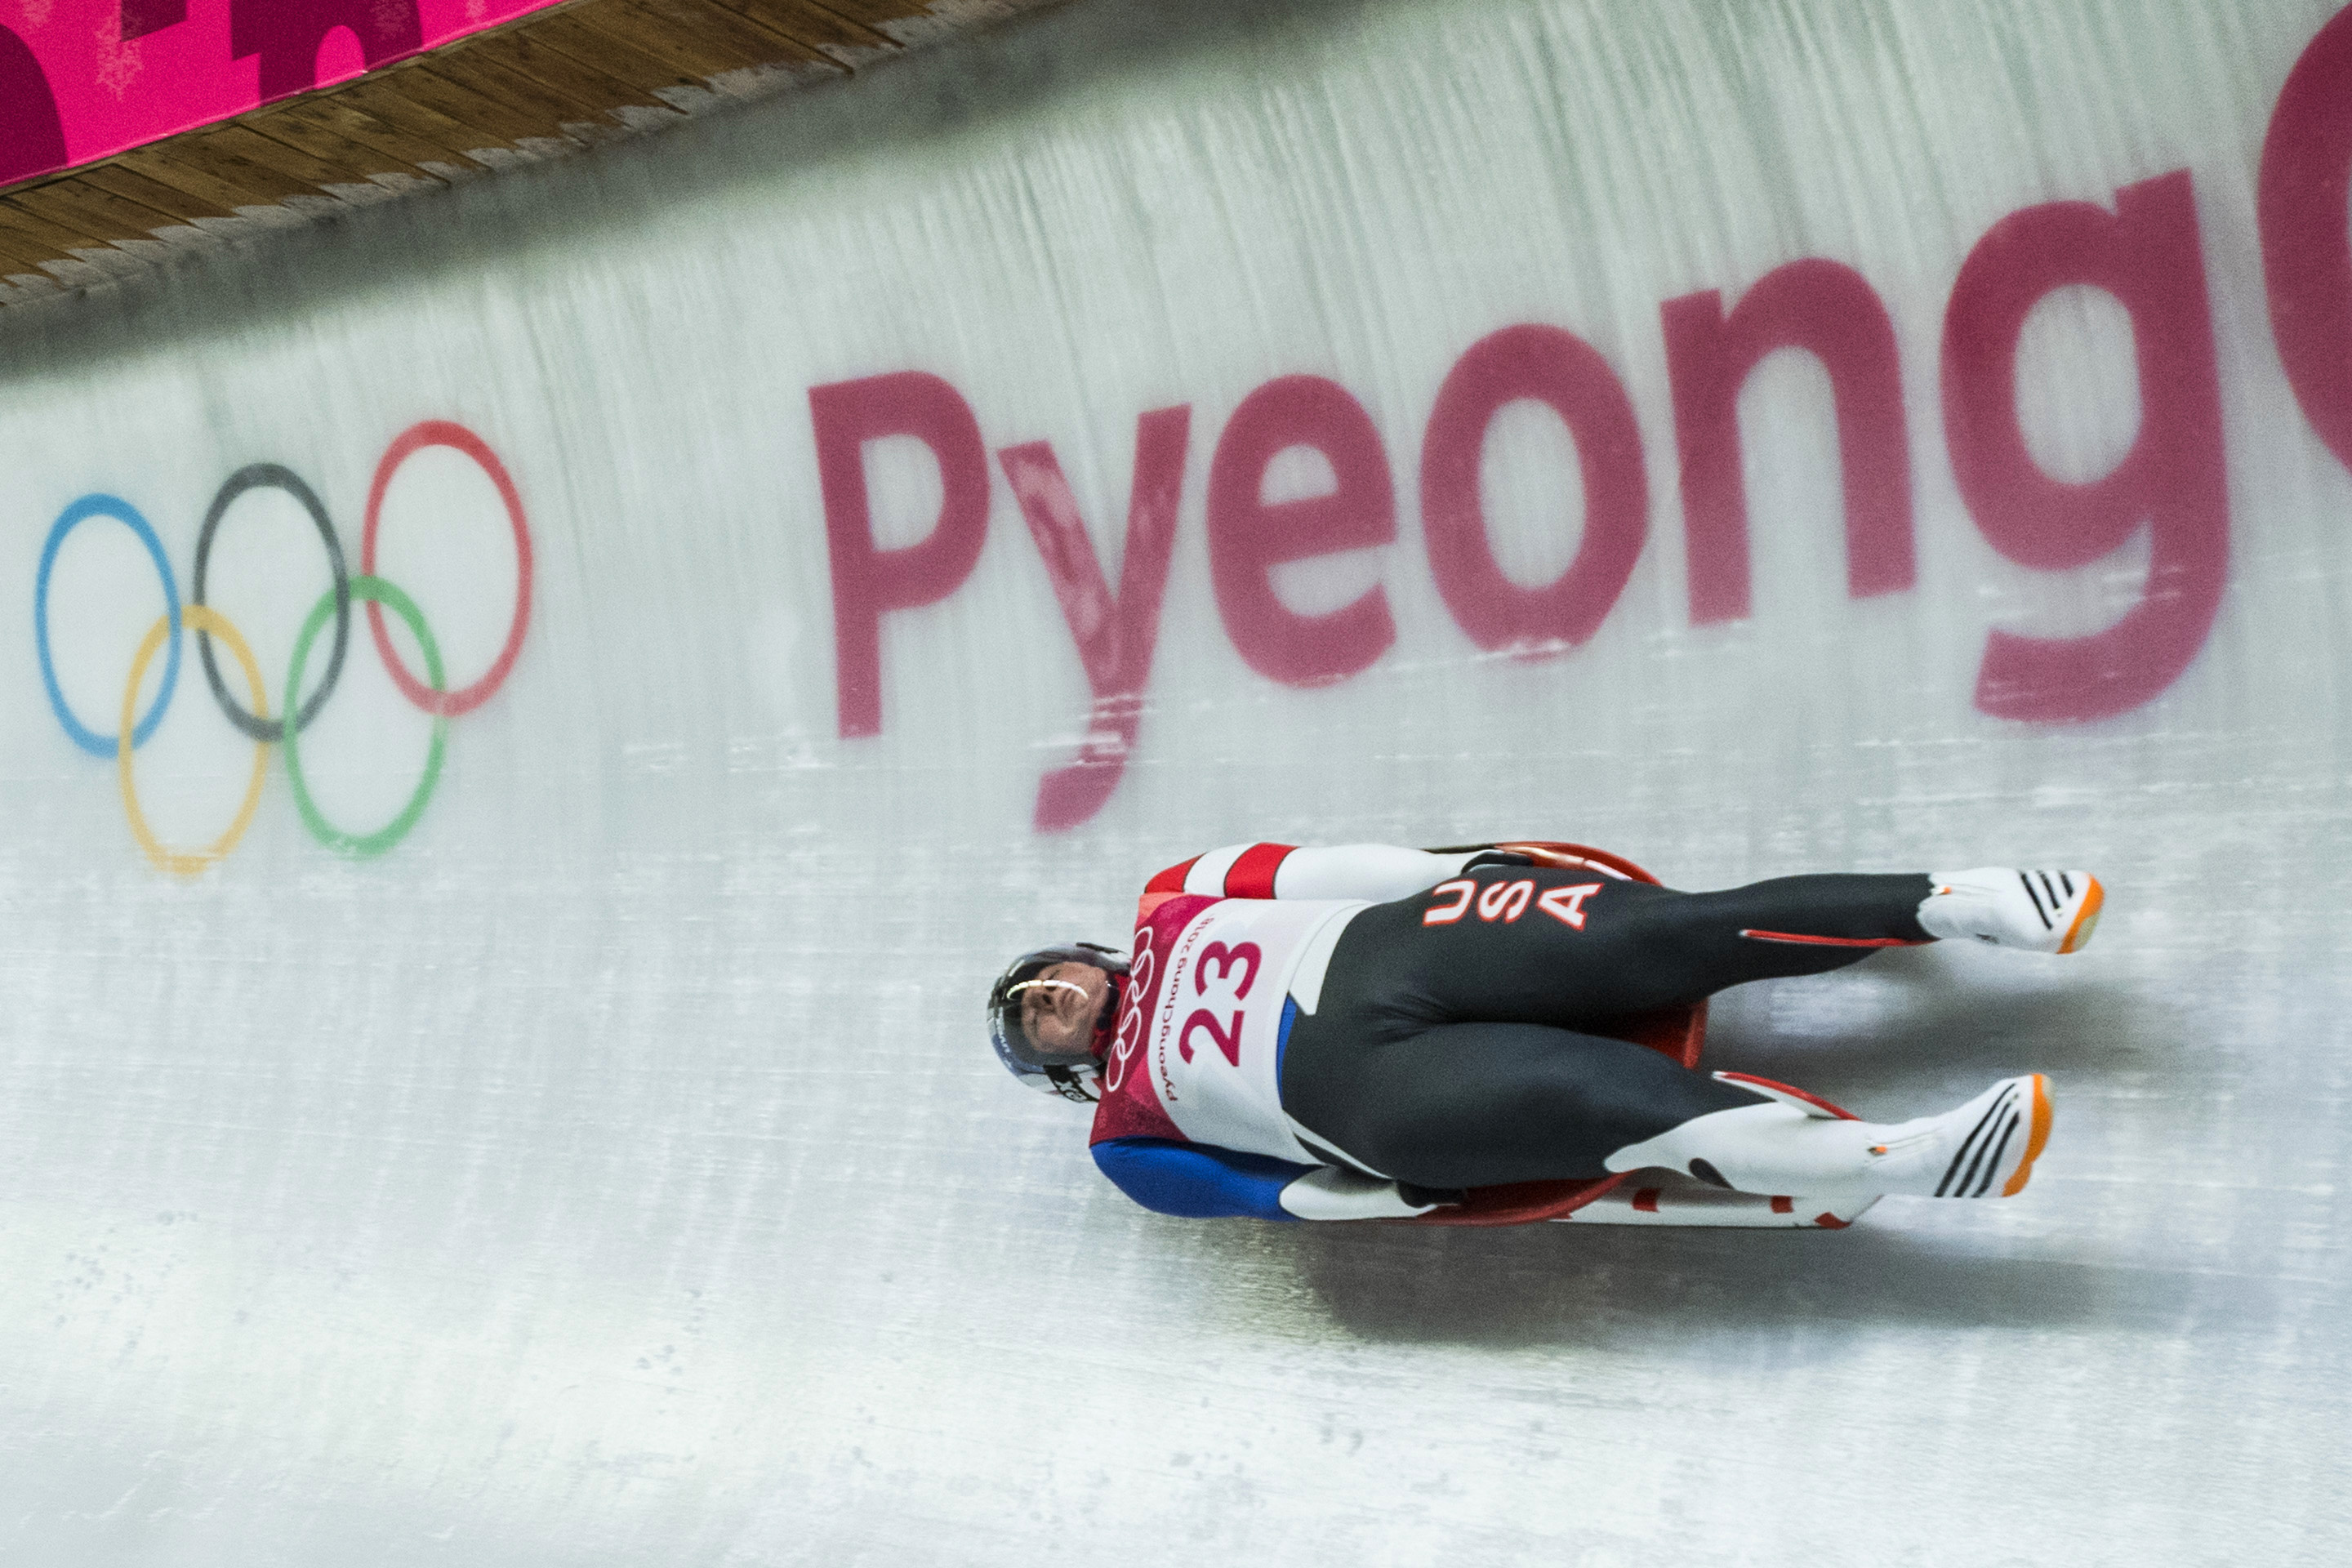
[1377, 872]
[1195, 1180]
[1199, 1181]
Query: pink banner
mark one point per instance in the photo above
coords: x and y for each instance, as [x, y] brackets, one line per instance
[80, 79]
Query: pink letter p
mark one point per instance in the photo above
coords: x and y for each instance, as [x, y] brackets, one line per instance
[867, 582]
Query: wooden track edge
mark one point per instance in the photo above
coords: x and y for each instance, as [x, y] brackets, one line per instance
[552, 83]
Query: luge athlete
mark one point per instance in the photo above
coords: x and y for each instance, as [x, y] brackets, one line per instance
[1362, 1031]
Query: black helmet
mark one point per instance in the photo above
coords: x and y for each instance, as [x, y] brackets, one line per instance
[1073, 1075]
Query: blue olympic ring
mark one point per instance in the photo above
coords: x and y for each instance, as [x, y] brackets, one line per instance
[123, 511]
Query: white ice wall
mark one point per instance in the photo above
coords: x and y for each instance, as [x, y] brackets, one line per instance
[611, 1170]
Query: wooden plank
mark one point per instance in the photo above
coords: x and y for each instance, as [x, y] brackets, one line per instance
[18, 253]
[227, 151]
[480, 68]
[695, 64]
[13, 266]
[100, 200]
[301, 126]
[24, 227]
[86, 209]
[329, 114]
[700, 57]
[309, 174]
[169, 163]
[422, 81]
[874, 13]
[869, 12]
[163, 198]
[566, 34]
[31, 231]
[383, 99]
[706, 21]
[809, 24]
[516, 51]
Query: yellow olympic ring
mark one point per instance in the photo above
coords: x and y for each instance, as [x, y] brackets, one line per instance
[188, 862]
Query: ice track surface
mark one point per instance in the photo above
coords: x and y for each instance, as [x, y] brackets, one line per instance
[609, 1170]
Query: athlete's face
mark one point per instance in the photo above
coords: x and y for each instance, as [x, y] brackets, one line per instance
[1059, 1009]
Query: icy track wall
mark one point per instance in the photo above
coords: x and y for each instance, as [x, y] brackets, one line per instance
[539, 1116]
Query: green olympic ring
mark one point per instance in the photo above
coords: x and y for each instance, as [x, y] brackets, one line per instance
[371, 590]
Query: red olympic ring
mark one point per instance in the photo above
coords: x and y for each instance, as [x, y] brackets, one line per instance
[445, 432]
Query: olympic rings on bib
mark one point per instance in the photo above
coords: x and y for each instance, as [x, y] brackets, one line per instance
[430, 694]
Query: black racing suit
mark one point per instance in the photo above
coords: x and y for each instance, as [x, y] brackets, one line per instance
[1476, 1050]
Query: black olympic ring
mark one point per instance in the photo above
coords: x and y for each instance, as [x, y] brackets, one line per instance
[272, 476]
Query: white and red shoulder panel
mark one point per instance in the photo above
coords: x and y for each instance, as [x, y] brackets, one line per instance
[1237, 871]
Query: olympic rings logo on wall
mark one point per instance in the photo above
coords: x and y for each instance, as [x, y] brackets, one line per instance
[430, 694]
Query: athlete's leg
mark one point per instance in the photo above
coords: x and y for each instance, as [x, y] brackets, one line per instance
[1444, 1049]
[1782, 1145]
[1473, 1105]
[1470, 1105]
[1571, 949]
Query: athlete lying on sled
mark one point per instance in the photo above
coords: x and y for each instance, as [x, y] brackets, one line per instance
[1364, 1032]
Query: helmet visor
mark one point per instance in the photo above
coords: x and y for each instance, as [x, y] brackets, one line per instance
[1007, 1030]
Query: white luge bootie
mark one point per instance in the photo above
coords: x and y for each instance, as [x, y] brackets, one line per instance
[1983, 1149]
[2041, 912]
